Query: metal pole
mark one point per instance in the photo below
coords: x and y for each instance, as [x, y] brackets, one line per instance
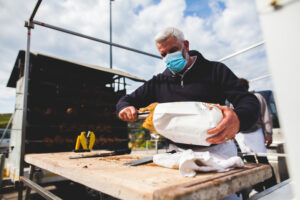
[242, 51]
[110, 36]
[93, 38]
[124, 83]
[29, 26]
[259, 78]
[35, 10]
[24, 120]
[40, 190]
[32, 168]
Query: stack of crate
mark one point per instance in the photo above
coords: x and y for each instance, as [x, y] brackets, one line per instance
[65, 98]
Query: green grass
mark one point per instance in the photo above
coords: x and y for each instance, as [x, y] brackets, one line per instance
[4, 118]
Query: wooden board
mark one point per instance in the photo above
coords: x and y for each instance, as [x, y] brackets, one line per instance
[109, 175]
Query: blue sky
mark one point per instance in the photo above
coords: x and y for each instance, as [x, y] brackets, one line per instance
[201, 8]
[216, 28]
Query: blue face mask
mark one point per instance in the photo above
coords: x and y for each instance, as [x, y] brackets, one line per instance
[175, 61]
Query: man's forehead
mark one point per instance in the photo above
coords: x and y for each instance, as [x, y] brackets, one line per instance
[169, 42]
[171, 39]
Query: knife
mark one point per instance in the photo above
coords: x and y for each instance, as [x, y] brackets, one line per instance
[93, 155]
[143, 115]
[143, 160]
[112, 153]
[139, 161]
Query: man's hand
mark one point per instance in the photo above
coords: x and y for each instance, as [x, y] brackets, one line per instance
[268, 141]
[226, 129]
[128, 114]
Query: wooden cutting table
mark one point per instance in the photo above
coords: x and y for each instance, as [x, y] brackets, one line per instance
[109, 175]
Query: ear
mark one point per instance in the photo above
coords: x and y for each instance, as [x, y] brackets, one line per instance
[186, 44]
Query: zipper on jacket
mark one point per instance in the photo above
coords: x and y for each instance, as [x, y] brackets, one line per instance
[181, 83]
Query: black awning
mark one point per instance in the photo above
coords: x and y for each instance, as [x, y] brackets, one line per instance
[36, 58]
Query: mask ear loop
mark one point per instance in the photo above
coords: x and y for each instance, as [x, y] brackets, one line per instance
[185, 54]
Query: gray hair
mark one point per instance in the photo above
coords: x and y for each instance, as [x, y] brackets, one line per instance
[167, 32]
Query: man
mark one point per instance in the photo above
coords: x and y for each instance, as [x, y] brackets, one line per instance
[190, 77]
[257, 138]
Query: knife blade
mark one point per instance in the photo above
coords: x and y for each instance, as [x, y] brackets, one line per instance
[139, 161]
[143, 115]
[143, 160]
[112, 153]
[93, 155]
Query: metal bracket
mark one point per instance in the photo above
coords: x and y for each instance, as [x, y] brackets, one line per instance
[29, 24]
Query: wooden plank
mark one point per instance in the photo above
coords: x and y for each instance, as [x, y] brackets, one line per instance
[219, 186]
[109, 175]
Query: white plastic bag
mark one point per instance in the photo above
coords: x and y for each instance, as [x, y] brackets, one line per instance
[186, 122]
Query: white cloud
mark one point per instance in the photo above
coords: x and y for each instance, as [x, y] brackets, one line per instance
[238, 24]
[135, 24]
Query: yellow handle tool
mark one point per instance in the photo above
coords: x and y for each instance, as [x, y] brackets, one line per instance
[77, 146]
[92, 138]
[85, 141]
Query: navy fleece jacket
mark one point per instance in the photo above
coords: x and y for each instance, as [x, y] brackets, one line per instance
[205, 81]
